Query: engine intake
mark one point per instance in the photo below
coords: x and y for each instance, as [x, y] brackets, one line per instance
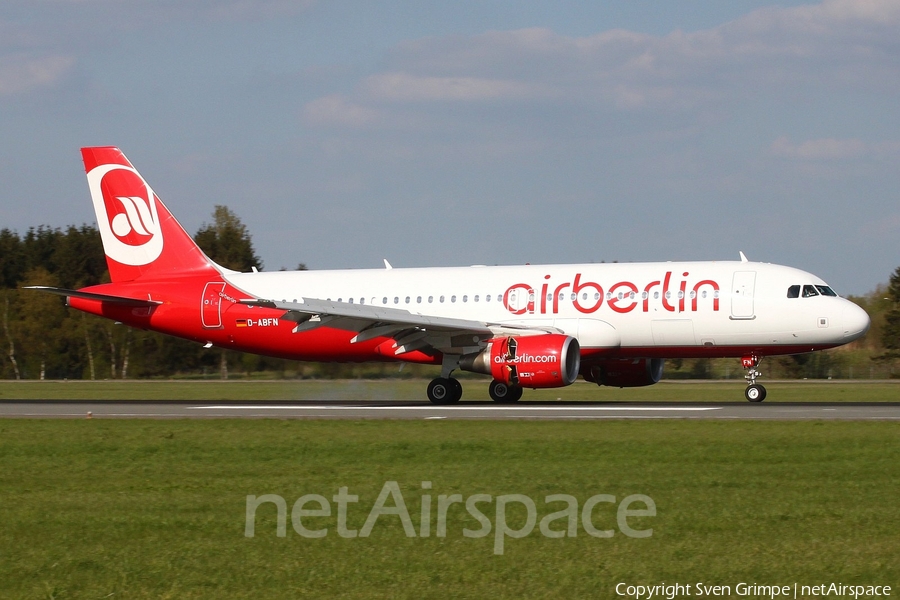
[540, 361]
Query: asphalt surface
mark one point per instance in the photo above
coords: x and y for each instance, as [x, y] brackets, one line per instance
[463, 410]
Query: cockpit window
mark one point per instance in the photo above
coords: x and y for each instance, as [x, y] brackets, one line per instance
[809, 290]
[825, 290]
[794, 291]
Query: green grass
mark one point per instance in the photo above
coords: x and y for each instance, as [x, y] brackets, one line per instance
[156, 509]
[475, 389]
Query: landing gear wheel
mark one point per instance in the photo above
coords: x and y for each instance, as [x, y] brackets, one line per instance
[444, 390]
[755, 393]
[503, 392]
[457, 389]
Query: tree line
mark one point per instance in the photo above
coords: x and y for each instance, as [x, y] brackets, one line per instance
[43, 339]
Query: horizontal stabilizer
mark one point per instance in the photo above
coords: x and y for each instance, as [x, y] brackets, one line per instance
[91, 296]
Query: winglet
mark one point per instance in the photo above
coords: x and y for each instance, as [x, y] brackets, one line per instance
[387, 265]
[743, 258]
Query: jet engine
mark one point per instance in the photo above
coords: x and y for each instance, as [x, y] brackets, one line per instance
[626, 372]
[539, 361]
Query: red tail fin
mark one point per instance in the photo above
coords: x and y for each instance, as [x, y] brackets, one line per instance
[140, 236]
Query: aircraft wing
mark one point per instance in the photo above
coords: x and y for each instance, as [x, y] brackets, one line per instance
[410, 330]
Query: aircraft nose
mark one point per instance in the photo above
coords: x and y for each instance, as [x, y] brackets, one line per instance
[855, 321]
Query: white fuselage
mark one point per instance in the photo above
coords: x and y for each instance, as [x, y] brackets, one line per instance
[698, 308]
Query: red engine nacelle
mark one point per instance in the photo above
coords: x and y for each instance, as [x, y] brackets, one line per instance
[540, 361]
[624, 372]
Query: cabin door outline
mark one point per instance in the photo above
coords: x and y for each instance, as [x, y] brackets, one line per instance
[211, 305]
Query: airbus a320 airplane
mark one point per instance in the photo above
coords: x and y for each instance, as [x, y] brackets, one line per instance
[537, 326]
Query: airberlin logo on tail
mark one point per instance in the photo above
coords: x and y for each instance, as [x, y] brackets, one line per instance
[126, 214]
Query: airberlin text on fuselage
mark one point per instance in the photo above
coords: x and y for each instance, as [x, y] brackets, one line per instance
[528, 359]
[673, 294]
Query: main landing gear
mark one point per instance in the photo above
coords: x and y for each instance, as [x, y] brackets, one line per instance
[447, 390]
[755, 392]
[444, 390]
[505, 393]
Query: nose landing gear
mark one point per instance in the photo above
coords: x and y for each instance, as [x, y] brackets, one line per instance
[755, 392]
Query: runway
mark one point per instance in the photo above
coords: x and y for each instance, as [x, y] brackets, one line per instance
[463, 410]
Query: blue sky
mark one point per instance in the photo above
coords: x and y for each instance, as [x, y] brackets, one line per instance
[477, 132]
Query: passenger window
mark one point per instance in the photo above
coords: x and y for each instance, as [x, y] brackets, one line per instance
[430, 299]
[384, 300]
[442, 299]
[825, 290]
[418, 299]
[453, 298]
[475, 298]
[407, 299]
[794, 291]
[809, 291]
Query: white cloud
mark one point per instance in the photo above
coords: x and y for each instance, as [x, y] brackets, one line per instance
[822, 149]
[826, 149]
[405, 87]
[157, 11]
[337, 110]
[839, 43]
[20, 73]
